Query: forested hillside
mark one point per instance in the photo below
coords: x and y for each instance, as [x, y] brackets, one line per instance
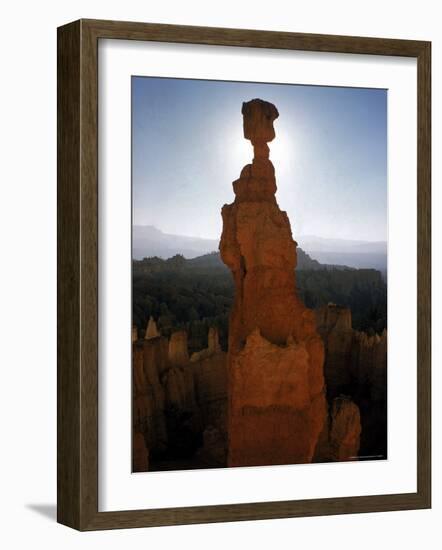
[196, 294]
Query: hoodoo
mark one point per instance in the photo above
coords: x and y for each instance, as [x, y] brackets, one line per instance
[276, 397]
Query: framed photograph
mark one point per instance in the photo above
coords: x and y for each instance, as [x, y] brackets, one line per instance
[243, 274]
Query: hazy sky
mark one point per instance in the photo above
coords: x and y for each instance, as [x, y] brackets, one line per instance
[330, 155]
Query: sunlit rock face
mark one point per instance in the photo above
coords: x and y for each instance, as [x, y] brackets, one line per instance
[151, 330]
[276, 402]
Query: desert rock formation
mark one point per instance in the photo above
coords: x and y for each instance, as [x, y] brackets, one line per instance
[356, 365]
[340, 438]
[151, 330]
[148, 401]
[276, 401]
[345, 430]
[212, 348]
[175, 401]
[178, 352]
[210, 375]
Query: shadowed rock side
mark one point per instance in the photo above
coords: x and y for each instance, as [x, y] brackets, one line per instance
[148, 417]
[340, 438]
[276, 402]
[356, 365]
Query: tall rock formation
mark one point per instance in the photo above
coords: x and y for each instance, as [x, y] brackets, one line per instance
[276, 401]
[182, 411]
[334, 325]
[345, 429]
[149, 358]
[209, 371]
[178, 352]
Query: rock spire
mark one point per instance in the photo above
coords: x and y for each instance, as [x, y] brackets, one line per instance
[276, 401]
[151, 330]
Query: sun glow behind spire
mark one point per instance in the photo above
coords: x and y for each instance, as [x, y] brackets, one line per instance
[329, 155]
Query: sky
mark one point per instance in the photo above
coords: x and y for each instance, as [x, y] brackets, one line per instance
[330, 155]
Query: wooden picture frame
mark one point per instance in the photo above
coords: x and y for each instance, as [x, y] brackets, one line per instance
[77, 460]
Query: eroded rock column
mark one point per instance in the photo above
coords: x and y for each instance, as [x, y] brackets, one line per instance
[276, 401]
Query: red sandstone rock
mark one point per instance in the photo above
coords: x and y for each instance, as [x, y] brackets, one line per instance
[345, 430]
[212, 348]
[179, 388]
[356, 365]
[151, 330]
[210, 375]
[340, 438]
[179, 384]
[213, 340]
[334, 325]
[285, 385]
[351, 356]
[149, 358]
[276, 406]
[258, 117]
[178, 352]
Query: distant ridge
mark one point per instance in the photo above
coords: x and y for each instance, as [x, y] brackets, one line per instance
[354, 253]
[313, 252]
[213, 261]
[148, 241]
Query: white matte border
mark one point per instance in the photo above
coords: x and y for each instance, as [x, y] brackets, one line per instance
[119, 489]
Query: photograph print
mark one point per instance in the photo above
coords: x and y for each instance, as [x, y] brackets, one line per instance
[259, 274]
